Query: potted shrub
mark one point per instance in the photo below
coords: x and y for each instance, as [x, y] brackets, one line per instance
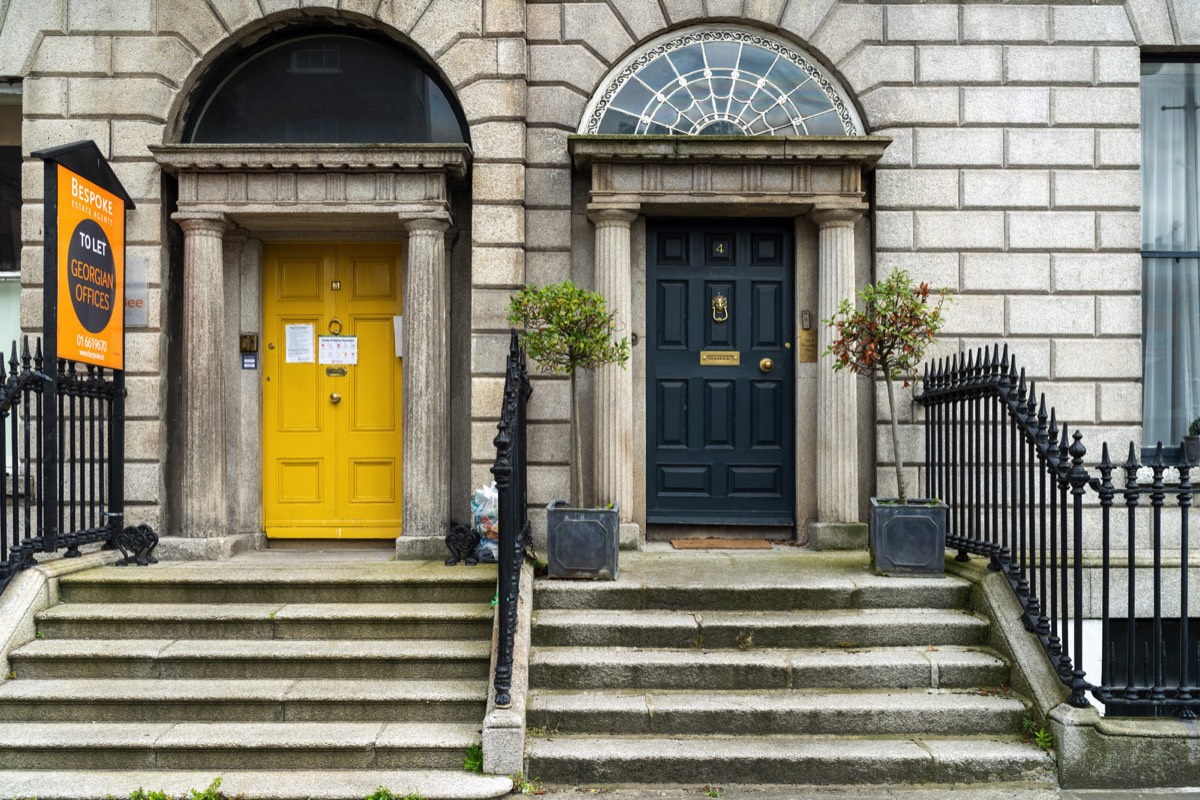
[566, 329]
[888, 337]
[1191, 443]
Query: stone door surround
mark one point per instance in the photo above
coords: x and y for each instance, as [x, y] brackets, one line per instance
[228, 193]
[776, 176]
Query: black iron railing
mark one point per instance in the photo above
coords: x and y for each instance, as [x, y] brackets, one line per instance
[512, 486]
[62, 433]
[1019, 493]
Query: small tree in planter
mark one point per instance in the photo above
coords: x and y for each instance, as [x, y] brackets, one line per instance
[567, 329]
[888, 336]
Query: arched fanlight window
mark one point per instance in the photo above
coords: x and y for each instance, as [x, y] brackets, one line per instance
[331, 88]
[721, 82]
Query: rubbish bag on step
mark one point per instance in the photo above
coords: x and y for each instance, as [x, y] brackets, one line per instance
[485, 512]
[486, 522]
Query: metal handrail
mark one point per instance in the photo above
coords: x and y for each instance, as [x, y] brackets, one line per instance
[1015, 481]
[65, 434]
[512, 487]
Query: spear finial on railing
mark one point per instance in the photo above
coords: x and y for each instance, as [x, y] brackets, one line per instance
[1052, 435]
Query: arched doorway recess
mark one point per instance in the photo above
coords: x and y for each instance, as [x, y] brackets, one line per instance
[733, 123]
[333, 136]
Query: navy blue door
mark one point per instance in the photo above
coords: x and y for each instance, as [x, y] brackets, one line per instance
[720, 373]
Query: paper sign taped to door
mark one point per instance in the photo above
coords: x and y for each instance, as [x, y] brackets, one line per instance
[337, 349]
[299, 344]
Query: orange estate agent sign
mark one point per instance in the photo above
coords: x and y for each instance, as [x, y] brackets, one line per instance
[91, 272]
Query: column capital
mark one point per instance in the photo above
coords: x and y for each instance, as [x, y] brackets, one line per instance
[603, 215]
[436, 225]
[836, 217]
[213, 223]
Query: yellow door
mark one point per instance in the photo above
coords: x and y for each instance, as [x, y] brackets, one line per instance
[331, 430]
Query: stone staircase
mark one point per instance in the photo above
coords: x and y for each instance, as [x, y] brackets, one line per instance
[288, 682]
[782, 667]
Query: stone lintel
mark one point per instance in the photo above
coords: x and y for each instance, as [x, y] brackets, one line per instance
[451, 159]
[865, 151]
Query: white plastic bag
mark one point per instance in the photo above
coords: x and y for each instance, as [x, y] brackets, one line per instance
[485, 512]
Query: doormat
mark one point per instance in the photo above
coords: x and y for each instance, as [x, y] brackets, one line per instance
[712, 543]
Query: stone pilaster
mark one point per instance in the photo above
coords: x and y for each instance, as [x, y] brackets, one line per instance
[614, 384]
[204, 511]
[426, 470]
[837, 393]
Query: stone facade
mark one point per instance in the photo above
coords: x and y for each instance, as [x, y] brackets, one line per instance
[1012, 178]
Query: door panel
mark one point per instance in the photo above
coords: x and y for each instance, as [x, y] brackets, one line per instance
[720, 435]
[332, 434]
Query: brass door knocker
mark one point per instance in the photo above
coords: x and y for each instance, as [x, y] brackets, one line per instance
[335, 322]
[720, 308]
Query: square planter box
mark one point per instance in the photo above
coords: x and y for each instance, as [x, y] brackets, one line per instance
[908, 539]
[581, 542]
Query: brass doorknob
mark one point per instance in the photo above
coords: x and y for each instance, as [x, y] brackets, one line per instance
[766, 364]
[335, 398]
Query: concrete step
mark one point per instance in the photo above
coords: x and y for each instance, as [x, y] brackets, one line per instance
[306, 784]
[384, 582]
[754, 713]
[819, 760]
[869, 627]
[245, 659]
[698, 670]
[707, 589]
[267, 621]
[323, 700]
[221, 746]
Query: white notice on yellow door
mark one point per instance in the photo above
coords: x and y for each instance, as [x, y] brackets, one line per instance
[337, 349]
[299, 344]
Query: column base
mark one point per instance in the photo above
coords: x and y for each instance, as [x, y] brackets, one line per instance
[421, 548]
[629, 536]
[217, 548]
[837, 536]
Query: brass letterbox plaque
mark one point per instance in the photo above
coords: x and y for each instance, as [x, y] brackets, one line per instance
[720, 358]
[807, 347]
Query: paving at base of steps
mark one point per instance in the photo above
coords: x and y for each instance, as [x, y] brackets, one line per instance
[995, 792]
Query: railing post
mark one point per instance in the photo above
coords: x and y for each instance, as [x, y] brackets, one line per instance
[1184, 694]
[1157, 497]
[48, 418]
[1079, 481]
[1106, 492]
[1131, 501]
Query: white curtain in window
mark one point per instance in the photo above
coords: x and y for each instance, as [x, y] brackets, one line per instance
[1170, 222]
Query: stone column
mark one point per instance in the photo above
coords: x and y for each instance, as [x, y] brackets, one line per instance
[426, 470]
[204, 512]
[613, 439]
[837, 392]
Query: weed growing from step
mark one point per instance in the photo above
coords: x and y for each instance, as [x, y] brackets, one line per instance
[527, 786]
[745, 641]
[1037, 733]
[213, 792]
[712, 791]
[383, 793]
[473, 760]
